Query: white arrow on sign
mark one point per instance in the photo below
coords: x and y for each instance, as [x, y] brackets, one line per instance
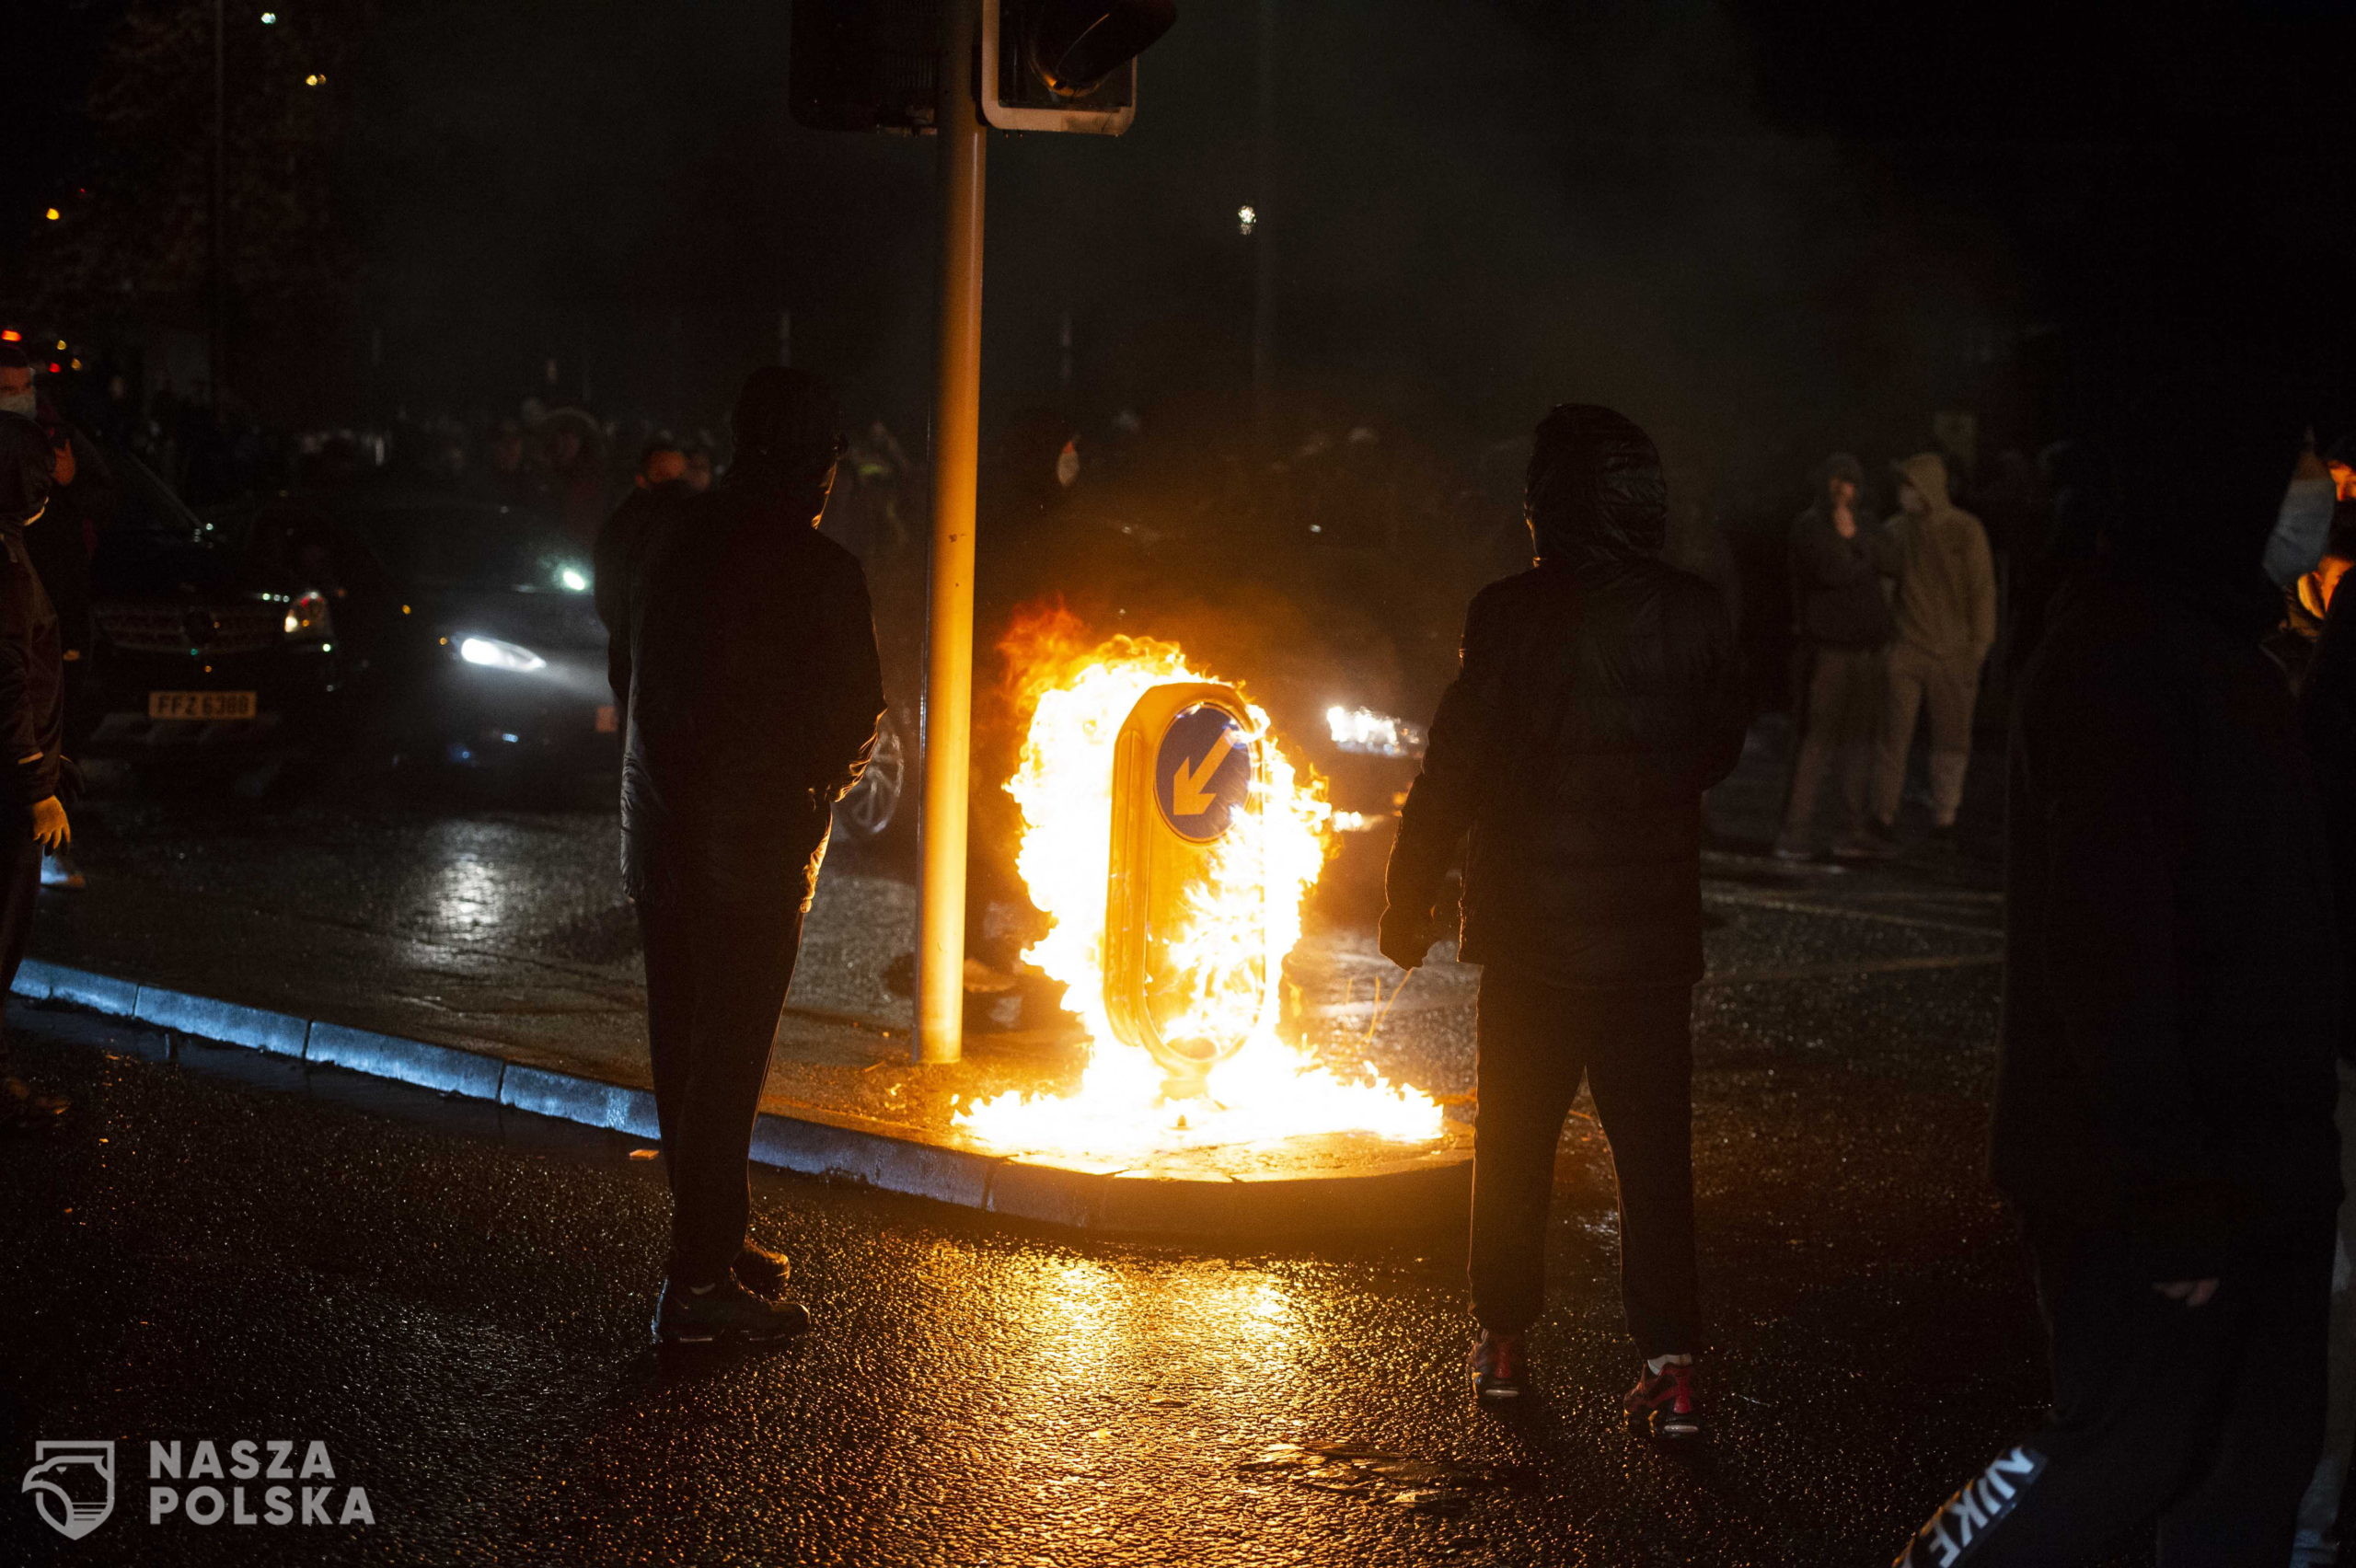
[1189, 787]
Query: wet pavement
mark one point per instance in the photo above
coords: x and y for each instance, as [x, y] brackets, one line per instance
[452, 1296]
[500, 928]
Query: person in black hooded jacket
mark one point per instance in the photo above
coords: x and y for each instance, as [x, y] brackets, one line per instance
[1842, 565]
[32, 723]
[2164, 1089]
[2325, 678]
[1601, 695]
[750, 679]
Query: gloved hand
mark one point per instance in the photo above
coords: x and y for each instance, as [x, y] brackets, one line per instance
[1404, 936]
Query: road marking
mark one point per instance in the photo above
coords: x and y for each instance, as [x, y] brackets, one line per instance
[1460, 996]
[1801, 906]
[1839, 971]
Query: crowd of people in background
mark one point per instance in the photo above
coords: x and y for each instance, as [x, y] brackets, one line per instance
[1892, 623]
[1331, 476]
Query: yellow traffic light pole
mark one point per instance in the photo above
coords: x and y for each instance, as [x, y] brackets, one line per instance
[948, 644]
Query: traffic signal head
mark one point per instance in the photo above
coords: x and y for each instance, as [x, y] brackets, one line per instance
[1075, 44]
[1067, 64]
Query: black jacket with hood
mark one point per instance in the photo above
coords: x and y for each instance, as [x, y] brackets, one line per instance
[2171, 993]
[79, 514]
[2328, 716]
[752, 683]
[614, 564]
[1601, 695]
[32, 681]
[1838, 597]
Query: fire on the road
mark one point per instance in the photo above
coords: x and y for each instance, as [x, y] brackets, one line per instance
[1237, 931]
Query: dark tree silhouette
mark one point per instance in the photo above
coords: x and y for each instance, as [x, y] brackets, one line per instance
[132, 245]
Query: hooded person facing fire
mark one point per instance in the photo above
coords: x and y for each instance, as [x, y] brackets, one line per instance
[748, 669]
[1600, 693]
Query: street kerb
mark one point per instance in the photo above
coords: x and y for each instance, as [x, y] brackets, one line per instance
[1323, 1191]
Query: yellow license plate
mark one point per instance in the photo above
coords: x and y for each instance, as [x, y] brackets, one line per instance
[200, 705]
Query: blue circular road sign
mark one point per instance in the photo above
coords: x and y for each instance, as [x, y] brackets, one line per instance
[1202, 772]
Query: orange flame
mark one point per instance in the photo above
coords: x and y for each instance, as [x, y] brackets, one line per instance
[1072, 698]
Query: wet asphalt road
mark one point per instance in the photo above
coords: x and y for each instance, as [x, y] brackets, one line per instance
[453, 1299]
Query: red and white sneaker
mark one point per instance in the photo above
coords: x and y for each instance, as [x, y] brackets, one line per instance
[1500, 1368]
[1665, 1401]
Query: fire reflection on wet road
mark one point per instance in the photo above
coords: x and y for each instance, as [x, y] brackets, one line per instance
[455, 1295]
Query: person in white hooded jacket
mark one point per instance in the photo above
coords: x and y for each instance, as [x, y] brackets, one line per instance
[1946, 611]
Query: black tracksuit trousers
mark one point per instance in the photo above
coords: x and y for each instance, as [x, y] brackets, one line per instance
[2201, 1423]
[1634, 1050]
[717, 971]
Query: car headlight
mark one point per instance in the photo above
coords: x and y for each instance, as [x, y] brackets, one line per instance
[308, 619]
[494, 655]
[1368, 733]
[573, 579]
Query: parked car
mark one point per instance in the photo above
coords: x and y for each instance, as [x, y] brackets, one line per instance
[402, 619]
[196, 648]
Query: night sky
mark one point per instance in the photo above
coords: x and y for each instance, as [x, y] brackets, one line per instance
[1758, 231]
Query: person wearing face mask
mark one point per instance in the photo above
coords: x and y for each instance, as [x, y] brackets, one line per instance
[2163, 1124]
[2303, 521]
[2324, 660]
[32, 719]
[2307, 529]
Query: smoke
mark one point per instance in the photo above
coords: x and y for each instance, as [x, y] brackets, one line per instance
[617, 188]
[1480, 210]
[1762, 235]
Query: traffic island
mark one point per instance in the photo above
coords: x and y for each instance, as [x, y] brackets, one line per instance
[843, 1104]
[1301, 1191]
